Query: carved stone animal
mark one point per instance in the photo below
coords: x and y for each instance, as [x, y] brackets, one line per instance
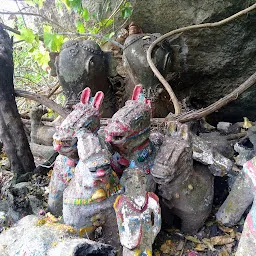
[85, 115]
[81, 64]
[128, 133]
[187, 190]
[88, 199]
[135, 61]
[138, 215]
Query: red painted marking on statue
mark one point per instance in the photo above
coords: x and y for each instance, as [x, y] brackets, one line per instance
[100, 173]
[57, 147]
[123, 161]
[71, 163]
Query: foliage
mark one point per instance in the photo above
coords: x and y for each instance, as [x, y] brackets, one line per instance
[39, 36]
[85, 22]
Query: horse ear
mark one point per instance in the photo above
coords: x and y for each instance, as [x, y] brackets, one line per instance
[184, 131]
[85, 97]
[98, 99]
[136, 92]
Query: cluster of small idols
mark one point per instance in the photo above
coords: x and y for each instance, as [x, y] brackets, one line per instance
[105, 179]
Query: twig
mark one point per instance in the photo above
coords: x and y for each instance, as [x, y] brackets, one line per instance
[218, 104]
[33, 14]
[93, 35]
[21, 14]
[54, 89]
[17, 32]
[43, 100]
[176, 31]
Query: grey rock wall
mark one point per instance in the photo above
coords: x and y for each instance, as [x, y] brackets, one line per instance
[215, 60]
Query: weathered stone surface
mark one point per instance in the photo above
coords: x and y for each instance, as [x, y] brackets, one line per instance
[138, 215]
[186, 188]
[21, 202]
[82, 63]
[247, 244]
[46, 237]
[215, 60]
[238, 200]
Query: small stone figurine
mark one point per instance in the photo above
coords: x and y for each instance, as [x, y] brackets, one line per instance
[138, 215]
[186, 187]
[85, 115]
[247, 244]
[128, 133]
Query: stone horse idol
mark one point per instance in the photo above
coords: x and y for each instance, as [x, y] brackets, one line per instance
[138, 215]
[88, 200]
[128, 133]
[171, 164]
[85, 115]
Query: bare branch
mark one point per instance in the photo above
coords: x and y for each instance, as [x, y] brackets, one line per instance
[218, 104]
[43, 100]
[17, 32]
[180, 30]
[93, 35]
[33, 14]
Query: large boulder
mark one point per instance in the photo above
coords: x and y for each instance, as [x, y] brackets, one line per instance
[215, 61]
[32, 236]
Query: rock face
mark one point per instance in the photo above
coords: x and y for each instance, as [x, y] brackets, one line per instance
[46, 237]
[215, 60]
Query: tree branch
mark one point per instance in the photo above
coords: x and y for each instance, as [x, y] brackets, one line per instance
[17, 32]
[180, 30]
[43, 100]
[218, 104]
[32, 14]
[93, 35]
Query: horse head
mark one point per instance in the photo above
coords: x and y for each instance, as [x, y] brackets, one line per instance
[130, 126]
[86, 115]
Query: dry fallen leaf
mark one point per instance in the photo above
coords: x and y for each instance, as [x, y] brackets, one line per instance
[193, 239]
[200, 247]
[247, 123]
[157, 253]
[238, 236]
[221, 240]
[226, 229]
[167, 247]
[223, 253]
[180, 246]
[208, 243]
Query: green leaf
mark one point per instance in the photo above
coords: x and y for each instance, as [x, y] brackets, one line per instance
[47, 28]
[86, 14]
[109, 36]
[94, 30]
[40, 3]
[27, 35]
[53, 41]
[67, 3]
[106, 23]
[31, 49]
[126, 13]
[80, 27]
[42, 57]
[76, 5]
[126, 10]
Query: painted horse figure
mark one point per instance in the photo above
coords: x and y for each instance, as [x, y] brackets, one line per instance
[138, 215]
[88, 200]
[86, 115]
[171, 164]
[128, 133]
[185, 186]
